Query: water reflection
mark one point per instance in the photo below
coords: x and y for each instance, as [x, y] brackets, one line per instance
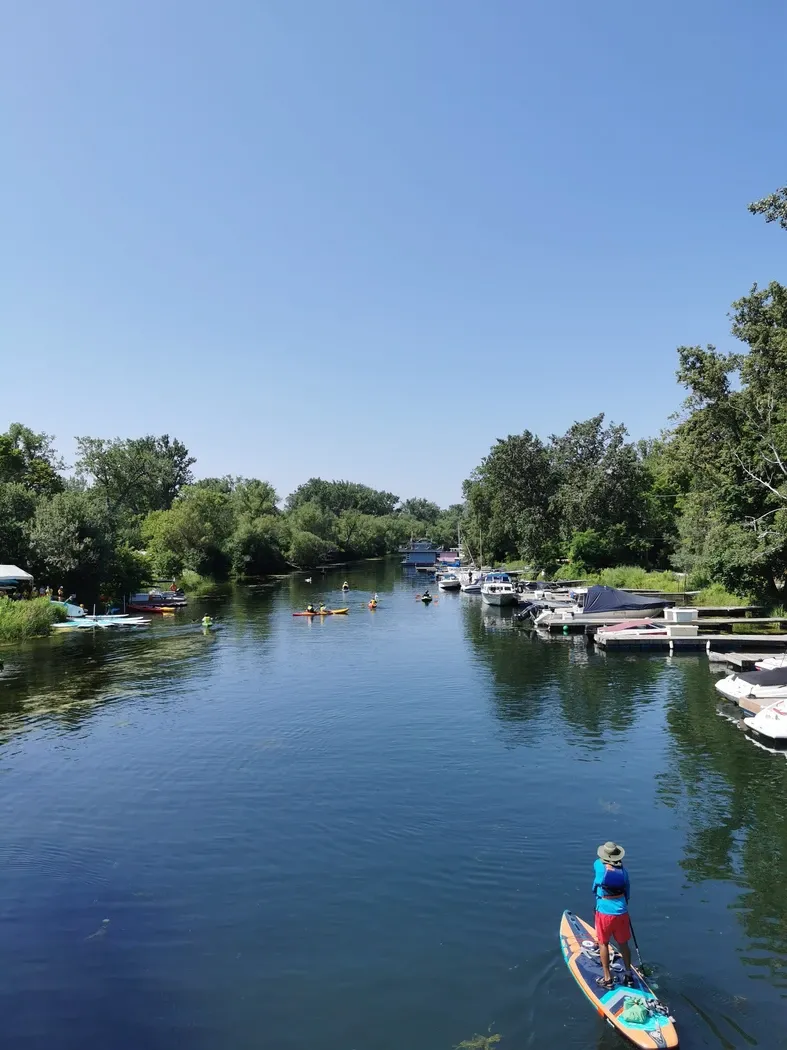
[730, 795]
[539, 677]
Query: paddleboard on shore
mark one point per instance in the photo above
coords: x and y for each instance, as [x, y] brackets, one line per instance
[580, 950]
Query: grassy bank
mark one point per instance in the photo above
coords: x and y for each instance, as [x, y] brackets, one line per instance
[24, 619]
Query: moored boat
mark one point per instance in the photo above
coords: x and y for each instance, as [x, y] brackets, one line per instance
[497, 589]
[766, 687]
[770, 724]
[449, 581]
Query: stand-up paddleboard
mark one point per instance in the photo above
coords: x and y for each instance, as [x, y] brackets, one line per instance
[580, 950]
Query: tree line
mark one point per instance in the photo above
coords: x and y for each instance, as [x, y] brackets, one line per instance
[132, 511]
[707, 497]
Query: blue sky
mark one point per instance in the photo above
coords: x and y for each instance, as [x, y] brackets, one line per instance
[272, 229]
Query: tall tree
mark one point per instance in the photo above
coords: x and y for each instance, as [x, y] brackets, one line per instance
[29, 459]
[137, 475]
[337, 496]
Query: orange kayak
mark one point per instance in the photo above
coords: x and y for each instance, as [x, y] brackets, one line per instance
[325, 612]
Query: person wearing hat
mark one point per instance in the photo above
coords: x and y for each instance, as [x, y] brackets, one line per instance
[612, 889]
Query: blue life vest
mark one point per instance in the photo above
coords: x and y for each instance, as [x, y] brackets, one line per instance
[614, 883]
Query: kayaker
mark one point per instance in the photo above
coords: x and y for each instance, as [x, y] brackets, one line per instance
[345, 586]
[322, 607]
[207, 621]
[310, 608]
[611, 888]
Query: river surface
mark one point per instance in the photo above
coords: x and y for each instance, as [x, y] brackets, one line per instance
[360, 833]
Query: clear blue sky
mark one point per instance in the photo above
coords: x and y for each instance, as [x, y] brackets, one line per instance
[271, 228]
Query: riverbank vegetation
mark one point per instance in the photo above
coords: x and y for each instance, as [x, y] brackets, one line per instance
[708, 497]
[131, 511]
[28, 619]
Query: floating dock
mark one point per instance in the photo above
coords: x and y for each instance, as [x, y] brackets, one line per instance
[581, 622]
[663, 643]
[739, 661]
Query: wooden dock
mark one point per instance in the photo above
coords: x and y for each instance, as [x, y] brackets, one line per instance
[739, 661]
[662, 643]
[581, 622]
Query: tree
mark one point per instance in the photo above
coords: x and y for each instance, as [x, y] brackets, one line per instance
[70, 541]
[422, 509]
[735, 431]
[511, 499]
[193, 534]
[337, 496]
[307, 550]
[257, 545]
[137, 475]
[17, 508]
[28, 459]
[773, 207]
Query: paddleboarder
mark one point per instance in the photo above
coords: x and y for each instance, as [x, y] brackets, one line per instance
[611, 888]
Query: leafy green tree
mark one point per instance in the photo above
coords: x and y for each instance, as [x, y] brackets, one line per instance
[422, 509]
[337, 496]
[17, 509]
[257, 545]
[193, 534]
[29, 459]
[773, 207]
[137, 475]
[314, 518]
[70, 541]
[307, 550]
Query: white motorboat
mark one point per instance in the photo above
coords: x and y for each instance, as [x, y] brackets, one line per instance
[472, 580]
[770, 723]
[771, 663]
[448, 581]
[766, 687]
[497, 589]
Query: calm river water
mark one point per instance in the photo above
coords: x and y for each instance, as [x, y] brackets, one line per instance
[359, 834]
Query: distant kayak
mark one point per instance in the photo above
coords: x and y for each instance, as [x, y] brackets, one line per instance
[325, 612]
[426, 598]
[634, 1011]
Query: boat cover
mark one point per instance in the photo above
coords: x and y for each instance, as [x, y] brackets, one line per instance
[602, 599]
[776, 676]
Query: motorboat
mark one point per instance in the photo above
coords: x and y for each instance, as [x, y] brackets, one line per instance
[157, 601]
[448, 581]
[770, 723]
[771, 663]
[766, 687]
[497, 589]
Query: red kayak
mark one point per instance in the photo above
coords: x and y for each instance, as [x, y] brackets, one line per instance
[325, 612]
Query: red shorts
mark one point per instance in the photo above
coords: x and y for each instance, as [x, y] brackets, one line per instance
[617, 926]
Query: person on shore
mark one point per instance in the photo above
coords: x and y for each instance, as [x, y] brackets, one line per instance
[60, 594]
[611, 888]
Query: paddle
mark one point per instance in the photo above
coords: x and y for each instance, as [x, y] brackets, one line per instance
[636, 945]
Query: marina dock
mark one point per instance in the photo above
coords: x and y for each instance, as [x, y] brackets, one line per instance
[581, 622]
[662, 643]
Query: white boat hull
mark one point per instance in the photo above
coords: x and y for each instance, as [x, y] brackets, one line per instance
[498, 598]
[770, 723]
